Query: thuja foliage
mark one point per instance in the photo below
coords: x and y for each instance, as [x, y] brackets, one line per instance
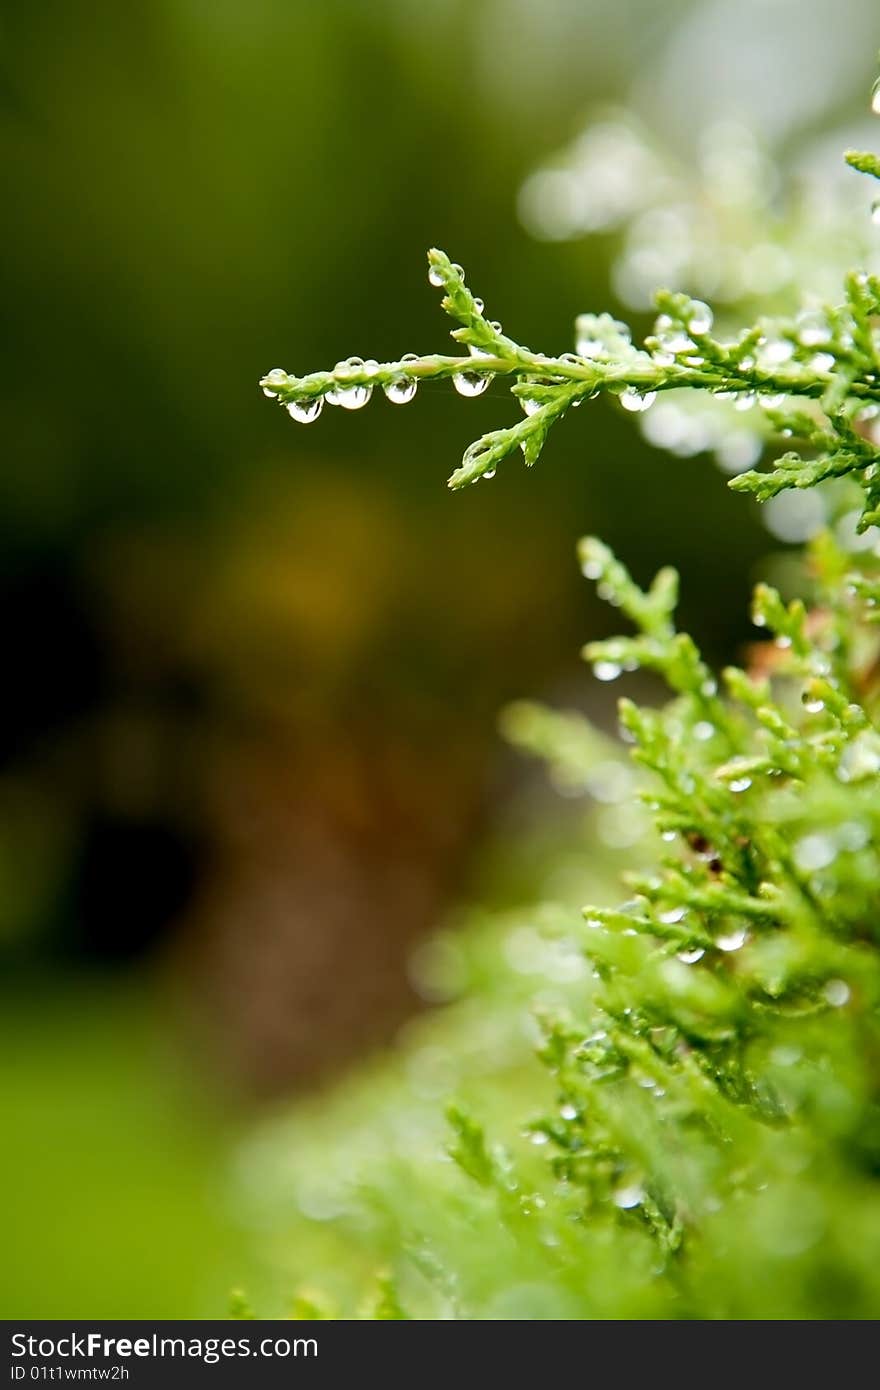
[710, 1145]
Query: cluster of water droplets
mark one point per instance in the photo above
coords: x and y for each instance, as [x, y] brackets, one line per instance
[351, 395]
[345, 392]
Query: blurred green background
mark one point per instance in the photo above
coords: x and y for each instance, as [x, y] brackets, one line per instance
[252, 671]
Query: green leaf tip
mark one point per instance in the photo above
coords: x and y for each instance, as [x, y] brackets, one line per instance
[863, 162]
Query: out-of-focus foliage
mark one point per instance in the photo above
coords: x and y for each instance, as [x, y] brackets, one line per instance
[713, 1144]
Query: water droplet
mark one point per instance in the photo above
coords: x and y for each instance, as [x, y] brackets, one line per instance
[875, 212]
[350, 367]
[815, 851]
[675, 341]
[672, 915]
[709, 687]
[568, 1111]
[812, 329]
[837, 993]
[307, 410]
[529, 405]
[606, 670]
[538, 1137]
[786, 1055]
[631, 399]
[732, 940]
[668, 836]
[628, 1197]
[853, 835]
[471, 383]
[277, 377]
[701, 318]
[812, 703]
[703, 730]
[875, 98]
[401, 390]
[691, 957]
[822, 362]
[489, 473]
[740, 784]
[435, 277]
[777, 351]
[587, 346]
[771, 402]
[745, 400]
[349, 397]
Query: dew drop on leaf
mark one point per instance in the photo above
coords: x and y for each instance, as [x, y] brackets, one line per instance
[836, 993]
[701, 318]
[634, 400]
[814, 851]
[401, 390]
[471, 383]
[732, 940]
[276, 378]
[672, 915]
[628, 1197]
[305, 411]
[350, 397]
